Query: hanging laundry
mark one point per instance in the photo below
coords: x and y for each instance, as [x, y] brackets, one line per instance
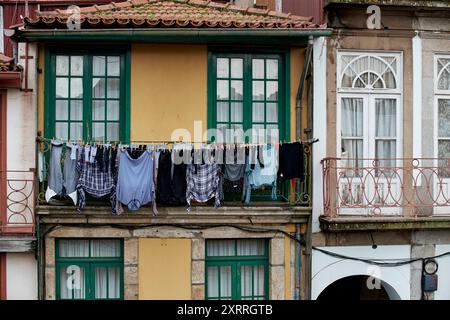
[263, 172]
[62, 181]
[233, 170]
[164, 181]
[42, 167]
[291, 161]
[94, 181]
[135, 179]
[202, 183]
[55, 177]
[71, 175]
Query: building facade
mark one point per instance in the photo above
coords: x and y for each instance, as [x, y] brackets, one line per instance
[18, 276]
[381, 105]
[158, 73]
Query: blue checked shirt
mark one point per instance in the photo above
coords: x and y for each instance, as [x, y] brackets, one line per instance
[202, 183]
[94, 181]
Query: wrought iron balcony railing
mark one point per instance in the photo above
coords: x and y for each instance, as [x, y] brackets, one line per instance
[386, 187]
[18, 201]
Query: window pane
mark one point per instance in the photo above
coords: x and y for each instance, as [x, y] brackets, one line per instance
[258, 112]
[225, 282]
[76, 131]
[237, 92]
[220, 248]
[113, 66]
[98, 110]
[62, 65]
[61, 130]
[107, 283]
[237, 68]
[213, 282]
[258, 133]
[222, 67]
[76, 88]
[272, 112]
[62, 87]
[222, 90]
[258, 68]
[352, 117]
[272, 133]
[246, 282]
[386, 118]
[444, 118]
[114, 283]
[352, 149]
[105, 248]
[76, 65]
[76, 110]
[98, 88]
[73, 248]
[101, 283]
[258, 90]
[272, 90]
[113, 131]
[98, 131]
[444, 156]
[98, 65]
[113, 88]
[385, 150]
[222, 111]
[61, 110]
[113, 110]
[72, 282]
[250, 247]
[272, 68]
[258, 280]
[237, 112]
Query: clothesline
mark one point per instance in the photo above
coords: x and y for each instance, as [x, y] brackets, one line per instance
[150, 142]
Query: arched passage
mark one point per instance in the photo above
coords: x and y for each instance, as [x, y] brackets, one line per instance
[358, 287]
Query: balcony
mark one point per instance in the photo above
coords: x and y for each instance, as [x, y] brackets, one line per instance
[18, 203]
[369, 194]
[293, 199]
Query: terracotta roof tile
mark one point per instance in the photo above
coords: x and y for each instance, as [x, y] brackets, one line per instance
[172, 13]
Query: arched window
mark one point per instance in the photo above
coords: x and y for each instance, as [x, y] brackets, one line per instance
[368, 71]
[443, 73]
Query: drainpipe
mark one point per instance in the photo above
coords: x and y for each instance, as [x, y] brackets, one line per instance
[298, 262]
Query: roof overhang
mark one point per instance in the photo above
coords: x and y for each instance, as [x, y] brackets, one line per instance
[10, 79]
[169, 35]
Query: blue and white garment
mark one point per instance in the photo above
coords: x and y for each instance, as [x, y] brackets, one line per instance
[202, 183]
[135, 180]
[257, 176]
[94, 181]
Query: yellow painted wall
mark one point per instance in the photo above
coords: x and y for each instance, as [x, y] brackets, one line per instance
[168, 89]
[164, 269]
[297, 60]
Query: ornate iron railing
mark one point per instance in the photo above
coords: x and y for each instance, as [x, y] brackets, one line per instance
[19, 203]
[407, 187]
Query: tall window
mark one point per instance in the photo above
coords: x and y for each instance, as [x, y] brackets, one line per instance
[442, 114]
[86, 97]
[369, 106]
[89, 269]
[247, 92]
[237, 269]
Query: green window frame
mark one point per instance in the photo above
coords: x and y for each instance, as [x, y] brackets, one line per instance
[231, 275]
[87, 94]
[239, 90]
[93, 268]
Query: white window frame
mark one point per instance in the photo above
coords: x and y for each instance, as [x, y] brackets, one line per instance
[369, 96]
[439, 95]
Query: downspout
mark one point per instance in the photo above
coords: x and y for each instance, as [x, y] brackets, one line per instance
[298, 136]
